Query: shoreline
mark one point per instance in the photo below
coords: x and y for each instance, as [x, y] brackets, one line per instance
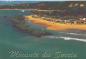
[17, 9]
[55, 26]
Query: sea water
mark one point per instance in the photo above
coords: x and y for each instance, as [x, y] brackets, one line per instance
[15, 44]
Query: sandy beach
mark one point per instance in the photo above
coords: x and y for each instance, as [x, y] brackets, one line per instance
[55, 26]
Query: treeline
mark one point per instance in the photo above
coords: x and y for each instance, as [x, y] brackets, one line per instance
[46, 5]
[39, 5]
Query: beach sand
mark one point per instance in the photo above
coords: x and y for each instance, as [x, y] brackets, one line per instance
[55, 26]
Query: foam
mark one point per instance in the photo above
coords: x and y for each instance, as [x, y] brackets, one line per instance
[73, 33]
[70, 38]
[65, 38]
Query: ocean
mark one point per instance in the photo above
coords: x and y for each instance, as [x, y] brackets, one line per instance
[15, 44]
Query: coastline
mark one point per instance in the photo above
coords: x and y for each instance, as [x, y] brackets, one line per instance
[55, 26]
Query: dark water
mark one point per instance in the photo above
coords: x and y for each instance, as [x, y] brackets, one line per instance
[16, 45]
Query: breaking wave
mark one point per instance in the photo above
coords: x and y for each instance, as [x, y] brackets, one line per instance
[70, 38]
[65, 38]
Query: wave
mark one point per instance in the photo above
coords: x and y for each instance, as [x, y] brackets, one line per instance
[70, 38]
[65, 38]
[73, 33]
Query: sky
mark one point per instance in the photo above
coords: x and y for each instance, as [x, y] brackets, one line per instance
[42, 0]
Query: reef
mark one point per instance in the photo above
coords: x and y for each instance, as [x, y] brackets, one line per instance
[19, 23]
